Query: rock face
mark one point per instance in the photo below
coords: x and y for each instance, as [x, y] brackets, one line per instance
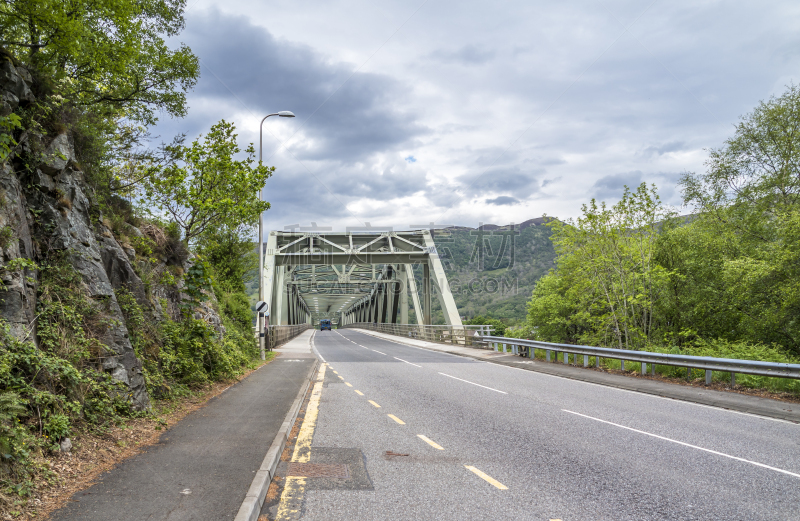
[17, 286]
[64, 213]
[50, 209]
[15, 84]
[55, 192]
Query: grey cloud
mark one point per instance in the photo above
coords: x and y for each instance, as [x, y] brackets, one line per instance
[386, 184]
[326, 189]
[467, 55]
[503, 200]
[503, 179]
[348, 118]
[346, 115]
[611, 186]
[664, 148]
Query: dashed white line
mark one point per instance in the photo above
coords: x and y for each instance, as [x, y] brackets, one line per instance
[379, 352]
[406, 361]
[473, 383]
[685, 444]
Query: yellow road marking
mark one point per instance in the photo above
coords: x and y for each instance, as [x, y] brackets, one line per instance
[395, 418]
[487, 477]
[295, 487]
[341, 378]
[375, 404]
[348, 384]
[335, 372]
[359, 392]
[430, 442]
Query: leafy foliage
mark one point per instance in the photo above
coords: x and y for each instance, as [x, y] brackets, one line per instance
[204, 187]
[499, 328]
[110, 52]
[606, 259]
[7, 126]
[197, 285]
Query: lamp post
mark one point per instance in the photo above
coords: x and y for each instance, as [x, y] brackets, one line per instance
[282, 114]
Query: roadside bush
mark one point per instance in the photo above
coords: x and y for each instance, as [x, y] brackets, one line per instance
[498, 326]
[43, 398]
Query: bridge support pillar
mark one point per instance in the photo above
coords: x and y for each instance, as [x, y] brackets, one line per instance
[412, 290]
[403, 301]
[426, 294]
[446, 301]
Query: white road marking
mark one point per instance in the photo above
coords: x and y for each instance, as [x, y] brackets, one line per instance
[409, 363]
[686, 444]
[379, 352]
[473, 383]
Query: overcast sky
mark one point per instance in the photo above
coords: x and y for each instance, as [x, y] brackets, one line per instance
[479, 112]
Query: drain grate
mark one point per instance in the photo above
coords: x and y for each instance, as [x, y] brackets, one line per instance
[318, 470]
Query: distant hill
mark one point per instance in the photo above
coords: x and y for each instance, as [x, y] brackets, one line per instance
[500, 285]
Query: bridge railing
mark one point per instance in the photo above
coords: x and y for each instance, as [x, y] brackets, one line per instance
[276, 336]
[458, 335]
[705, 363]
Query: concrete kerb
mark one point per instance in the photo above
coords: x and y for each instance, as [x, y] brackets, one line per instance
[747, 404]
[254, 500]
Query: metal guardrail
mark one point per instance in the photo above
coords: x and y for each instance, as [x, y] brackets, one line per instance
[706, 363]
[458, 335]
[276, 336]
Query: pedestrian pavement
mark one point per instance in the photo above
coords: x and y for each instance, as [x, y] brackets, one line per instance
[727, 400]
[201, 467]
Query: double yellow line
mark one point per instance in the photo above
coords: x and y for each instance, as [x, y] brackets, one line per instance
[295, 487]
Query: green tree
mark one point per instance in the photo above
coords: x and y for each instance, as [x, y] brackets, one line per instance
[552, 311]
[749, 201]
[203, 188]
[232, 255]
[755, 176]
[605, 259]
[108, 52]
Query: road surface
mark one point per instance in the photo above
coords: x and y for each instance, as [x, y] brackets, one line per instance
[483, 441]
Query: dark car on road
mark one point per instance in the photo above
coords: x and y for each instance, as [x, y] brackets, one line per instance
[324, 324]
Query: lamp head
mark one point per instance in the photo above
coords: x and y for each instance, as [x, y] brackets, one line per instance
[286, 114]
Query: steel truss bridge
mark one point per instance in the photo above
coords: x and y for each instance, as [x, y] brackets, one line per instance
[354, 276]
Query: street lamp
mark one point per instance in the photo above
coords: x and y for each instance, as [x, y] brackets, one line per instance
[282, 114]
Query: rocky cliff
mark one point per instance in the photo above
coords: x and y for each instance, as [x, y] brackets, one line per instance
[48, 210]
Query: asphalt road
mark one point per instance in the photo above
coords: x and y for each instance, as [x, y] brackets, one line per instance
[512, 444]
